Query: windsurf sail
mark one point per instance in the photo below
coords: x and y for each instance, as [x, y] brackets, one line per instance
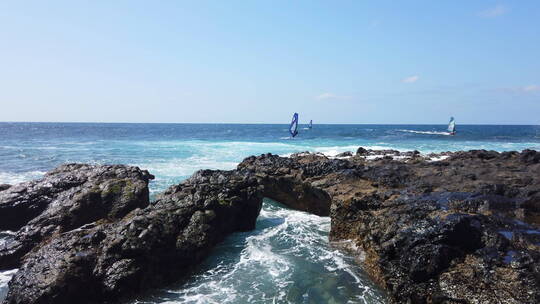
[294, 125]
[452, 125]
[310, 124]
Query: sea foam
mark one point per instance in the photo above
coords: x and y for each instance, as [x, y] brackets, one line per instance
[286, 259]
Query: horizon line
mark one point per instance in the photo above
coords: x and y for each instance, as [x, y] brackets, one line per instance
[256, 123]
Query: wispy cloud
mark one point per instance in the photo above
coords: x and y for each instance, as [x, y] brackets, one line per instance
[493, 12]
[410, 79]
[329, 96]
[529, 89]
[374, 23]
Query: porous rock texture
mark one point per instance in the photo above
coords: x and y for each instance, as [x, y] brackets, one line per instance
[148, 247]
[67, 198]
[456, 227]
[459, 230]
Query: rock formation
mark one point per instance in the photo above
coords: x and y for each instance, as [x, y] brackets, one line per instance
[457, 227]
[67, 198]
[460, 230]
[148, 247]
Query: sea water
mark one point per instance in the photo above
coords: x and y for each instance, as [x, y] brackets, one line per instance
[287, 258]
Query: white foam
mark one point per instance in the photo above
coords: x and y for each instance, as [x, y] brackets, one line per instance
[393, 156]
[426, 132]
[186, 166]
[286, 246]
[171, 171]
[438, 158]
[288, 154]
[205, 145]
[15, 178]
[5, 276]
[334, 150]
[5, 235]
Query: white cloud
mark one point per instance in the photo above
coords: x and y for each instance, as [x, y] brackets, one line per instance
[374, 23]
[493, 12]
[531, 88]
[410, 79]
[327, 96]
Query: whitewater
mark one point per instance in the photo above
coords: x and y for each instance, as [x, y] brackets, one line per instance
[287, 258]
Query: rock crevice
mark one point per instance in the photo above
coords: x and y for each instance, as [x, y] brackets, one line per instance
[461, 229]
[117, 255]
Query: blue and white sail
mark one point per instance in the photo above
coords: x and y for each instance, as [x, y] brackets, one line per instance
[310, 124]
[452, 125]
[293, 128]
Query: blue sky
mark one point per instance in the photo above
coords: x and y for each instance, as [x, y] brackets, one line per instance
[259, 61]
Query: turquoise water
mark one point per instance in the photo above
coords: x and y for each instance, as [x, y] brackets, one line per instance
[172, 152]
[288, 257]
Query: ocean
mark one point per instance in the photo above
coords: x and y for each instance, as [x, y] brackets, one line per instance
[287, 258]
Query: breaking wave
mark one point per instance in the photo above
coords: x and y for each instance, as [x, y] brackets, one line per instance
[286, 259]
[426, 132]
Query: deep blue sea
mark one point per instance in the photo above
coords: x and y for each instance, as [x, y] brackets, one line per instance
[287, 258]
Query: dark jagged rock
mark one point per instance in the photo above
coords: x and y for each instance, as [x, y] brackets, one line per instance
[459, 230]
[361, 151]
[464, 229]
[23, 202]
[414, 153]
[387, 154]
[420, 246]
[530, 157]
[345, 154]
[4, 187]
[285, 180]
[67, 198]
[147, 248]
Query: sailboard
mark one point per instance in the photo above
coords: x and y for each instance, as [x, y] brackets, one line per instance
[310, 124]
[294, 125]
[452, 126]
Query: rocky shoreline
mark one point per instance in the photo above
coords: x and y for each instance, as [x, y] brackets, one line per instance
[459, 227]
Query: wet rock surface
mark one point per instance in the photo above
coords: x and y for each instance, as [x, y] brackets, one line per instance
[463, 229]
[67, 198]
[457, 227]
[146, 248]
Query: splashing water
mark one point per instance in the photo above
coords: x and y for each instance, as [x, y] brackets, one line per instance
[286, 259]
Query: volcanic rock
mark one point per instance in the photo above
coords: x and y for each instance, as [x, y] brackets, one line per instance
[458, 227]
[146, 248]
[67, 198]
[460, 230]
[345, 154]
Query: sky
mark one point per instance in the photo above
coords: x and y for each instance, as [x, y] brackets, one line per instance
[260, 61]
